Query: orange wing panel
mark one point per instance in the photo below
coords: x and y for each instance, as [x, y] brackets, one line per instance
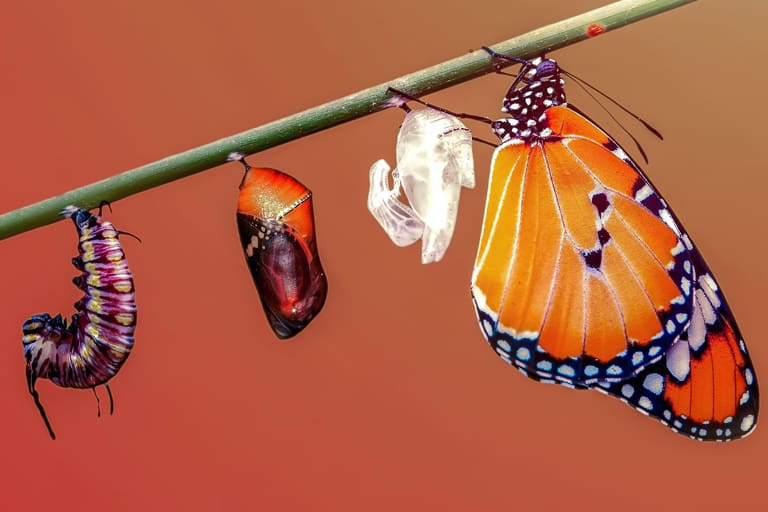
[605, 336]
[658, 284]
[537, 245]
[504, 188]
[640, 319]
[494, 255]
[573, 186]
[702, 387]
[562, 335]
[659, 238]
[613, 172]
[564, 122]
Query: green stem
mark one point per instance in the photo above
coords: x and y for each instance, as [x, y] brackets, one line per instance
[368, 101]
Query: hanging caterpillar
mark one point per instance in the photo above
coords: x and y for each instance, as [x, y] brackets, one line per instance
[92, 348]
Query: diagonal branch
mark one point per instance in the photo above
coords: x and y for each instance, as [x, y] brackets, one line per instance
[359, 104]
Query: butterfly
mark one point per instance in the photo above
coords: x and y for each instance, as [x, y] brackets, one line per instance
[585, 277]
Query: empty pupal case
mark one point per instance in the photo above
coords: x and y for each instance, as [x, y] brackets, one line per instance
[434, 160]
[398, 220]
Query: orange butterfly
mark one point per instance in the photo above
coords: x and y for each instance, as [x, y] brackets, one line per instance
[585, 277]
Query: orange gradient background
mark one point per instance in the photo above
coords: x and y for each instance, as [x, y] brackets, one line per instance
[391, 399]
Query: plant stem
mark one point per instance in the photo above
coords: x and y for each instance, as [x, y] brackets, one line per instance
[359, 104]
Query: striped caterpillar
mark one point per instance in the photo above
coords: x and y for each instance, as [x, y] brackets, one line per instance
[92, 348]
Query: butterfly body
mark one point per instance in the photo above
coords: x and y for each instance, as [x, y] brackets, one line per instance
[585, 277]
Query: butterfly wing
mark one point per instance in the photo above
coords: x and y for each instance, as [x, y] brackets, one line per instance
[582, 275]
[705, 386]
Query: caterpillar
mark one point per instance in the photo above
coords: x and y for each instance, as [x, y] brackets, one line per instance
[93, 347]
[277, 231]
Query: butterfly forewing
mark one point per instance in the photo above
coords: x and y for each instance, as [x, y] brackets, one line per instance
[581, 273]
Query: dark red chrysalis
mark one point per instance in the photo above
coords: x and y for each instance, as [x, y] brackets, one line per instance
[277, 230]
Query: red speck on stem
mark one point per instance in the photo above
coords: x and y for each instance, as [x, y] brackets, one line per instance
[595, 30]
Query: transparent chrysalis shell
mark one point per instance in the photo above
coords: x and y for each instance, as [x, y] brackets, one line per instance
[434, 160]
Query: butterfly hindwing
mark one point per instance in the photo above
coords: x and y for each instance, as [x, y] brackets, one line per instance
[705, 386]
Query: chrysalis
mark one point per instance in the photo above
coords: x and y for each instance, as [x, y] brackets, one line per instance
[277, 231]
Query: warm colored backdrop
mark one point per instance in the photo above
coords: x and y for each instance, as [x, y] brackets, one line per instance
[391, 400]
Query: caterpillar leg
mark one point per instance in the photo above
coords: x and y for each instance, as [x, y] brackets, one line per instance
[98, 402]
[111, 400]
[31, 378]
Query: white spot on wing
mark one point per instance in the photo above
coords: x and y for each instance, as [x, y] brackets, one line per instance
[685, 284]
[679, 360]
[747, 423]
[744, 398]
[709, 286]
[620, 153]
[645, 403]
[669, 221]
[654, 383]
[644, 193]
[697, 331]
[705, 307]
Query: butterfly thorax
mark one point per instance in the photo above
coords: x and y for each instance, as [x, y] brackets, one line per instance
[529, 97]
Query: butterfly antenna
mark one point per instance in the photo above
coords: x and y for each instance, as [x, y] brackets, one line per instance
[111, 400]
[461, 115]
[624, 129]
[31, 386]
[583, 83]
